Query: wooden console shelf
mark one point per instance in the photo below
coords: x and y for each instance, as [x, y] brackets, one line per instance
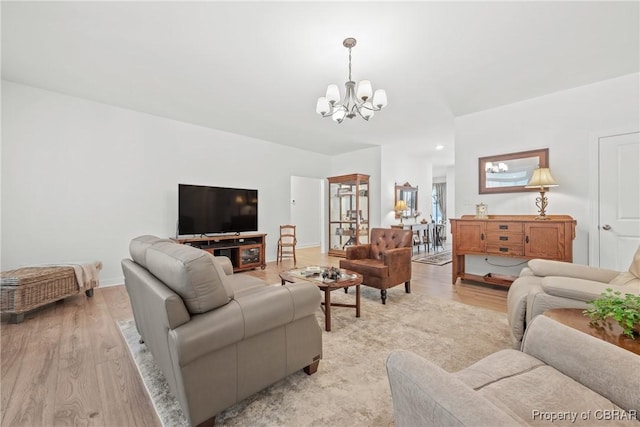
[246, 251]
[516, 236]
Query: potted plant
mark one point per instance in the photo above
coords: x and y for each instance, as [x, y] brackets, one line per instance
[623, 309]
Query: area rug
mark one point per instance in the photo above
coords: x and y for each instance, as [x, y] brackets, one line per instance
[350, 386]
[438, 258]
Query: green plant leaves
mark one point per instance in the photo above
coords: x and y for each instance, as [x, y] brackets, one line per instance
[624, 310]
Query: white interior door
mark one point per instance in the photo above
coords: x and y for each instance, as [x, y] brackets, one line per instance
[619, 200]
[306, 210]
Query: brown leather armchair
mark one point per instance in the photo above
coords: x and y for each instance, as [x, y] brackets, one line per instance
[383, 263]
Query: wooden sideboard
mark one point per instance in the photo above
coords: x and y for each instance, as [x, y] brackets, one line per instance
[516, 236]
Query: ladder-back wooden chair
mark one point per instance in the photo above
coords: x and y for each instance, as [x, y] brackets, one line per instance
[287, 243]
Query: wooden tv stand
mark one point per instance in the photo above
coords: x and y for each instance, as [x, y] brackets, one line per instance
[246, 251]
[516, 236]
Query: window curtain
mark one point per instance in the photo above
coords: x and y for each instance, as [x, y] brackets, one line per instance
[441, 198]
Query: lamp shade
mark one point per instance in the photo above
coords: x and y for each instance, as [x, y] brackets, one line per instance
[339, 113]
[367, 110]
[364, 90]
[323, 107]
[541, 178]
[401, 205]
[333, 94]
[380, 98]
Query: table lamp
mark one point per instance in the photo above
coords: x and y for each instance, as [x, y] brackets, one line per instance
[542, 180]
[400, 207]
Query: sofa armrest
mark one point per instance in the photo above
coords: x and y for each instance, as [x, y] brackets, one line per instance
[424, 394]
[244, 317]
[575, 289]
[397, 258]
[154, 305]
[225, 263]
[545, 268]
[396, 255]
[607, 369]
[517, 296]
[358, 251]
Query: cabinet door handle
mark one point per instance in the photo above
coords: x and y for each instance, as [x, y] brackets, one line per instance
[503, 227]
[526, 239]
[481, 236]
[504, 249]
[504, 238]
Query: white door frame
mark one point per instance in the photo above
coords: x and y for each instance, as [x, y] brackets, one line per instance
[594, 187]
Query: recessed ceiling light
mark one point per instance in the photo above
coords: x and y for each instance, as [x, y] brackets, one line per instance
[439, 147]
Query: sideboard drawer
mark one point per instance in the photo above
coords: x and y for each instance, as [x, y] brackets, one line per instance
[506, 226]
[513, 250]
[496, 238]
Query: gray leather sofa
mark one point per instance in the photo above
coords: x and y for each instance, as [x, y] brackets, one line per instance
[217, 337]
[561, 377]
[545, 284]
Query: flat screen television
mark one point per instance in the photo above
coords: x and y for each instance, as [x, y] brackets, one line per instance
[205, 210]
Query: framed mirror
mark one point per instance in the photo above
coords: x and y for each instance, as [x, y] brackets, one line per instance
[410, 196]
[508, 173]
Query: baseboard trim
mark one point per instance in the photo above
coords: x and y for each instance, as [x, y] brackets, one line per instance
[112, 282]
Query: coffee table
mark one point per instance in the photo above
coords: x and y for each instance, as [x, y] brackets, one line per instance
[348, 278]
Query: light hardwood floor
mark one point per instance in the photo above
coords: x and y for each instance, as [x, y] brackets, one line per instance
[67, 363]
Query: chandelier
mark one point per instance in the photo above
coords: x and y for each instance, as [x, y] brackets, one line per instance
[355, 101]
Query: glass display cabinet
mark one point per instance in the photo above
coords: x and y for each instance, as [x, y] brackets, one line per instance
[348, 212]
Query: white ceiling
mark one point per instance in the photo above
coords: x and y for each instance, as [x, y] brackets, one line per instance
[256, 69]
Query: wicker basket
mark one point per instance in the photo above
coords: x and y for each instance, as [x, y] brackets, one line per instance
[27, 288]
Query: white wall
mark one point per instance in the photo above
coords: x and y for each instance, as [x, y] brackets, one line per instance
[80, 178]
[565, 122]
[400, 166]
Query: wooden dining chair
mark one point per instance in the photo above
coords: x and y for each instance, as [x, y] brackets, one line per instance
[287, 243]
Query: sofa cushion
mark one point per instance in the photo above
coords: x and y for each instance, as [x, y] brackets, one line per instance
[243, 284]
[630, 278]
[626, 278]
[535, 394]
[189, 272]
[367, 267]
[634, 268]
[138, 248]
[586, 359]
[520, 384]
[496, 366]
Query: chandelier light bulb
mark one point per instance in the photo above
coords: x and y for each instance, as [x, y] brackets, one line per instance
[333, 94]
[380, 99]
[323, 107]
[364, 91]
[360, 101]
[367, 111]
[339, 114]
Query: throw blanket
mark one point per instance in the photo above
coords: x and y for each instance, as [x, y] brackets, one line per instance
[87, 274]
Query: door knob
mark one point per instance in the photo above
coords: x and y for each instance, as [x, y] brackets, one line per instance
[606, 227]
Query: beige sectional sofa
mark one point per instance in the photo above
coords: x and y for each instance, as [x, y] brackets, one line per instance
[218, 337]
[546, 284]
[562, 377]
